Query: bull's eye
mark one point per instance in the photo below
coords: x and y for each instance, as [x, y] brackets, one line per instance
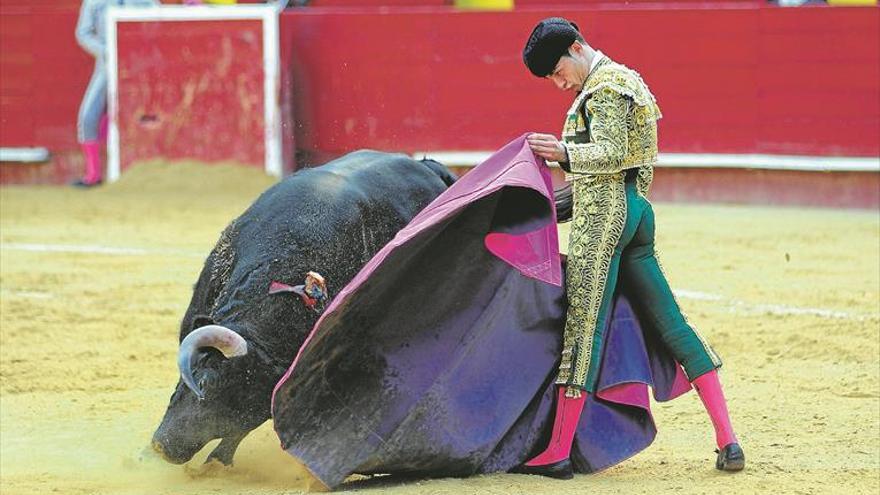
[209, 382]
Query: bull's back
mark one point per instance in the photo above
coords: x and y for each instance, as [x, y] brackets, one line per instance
[365, 189]
[331, 219]
[375, 178]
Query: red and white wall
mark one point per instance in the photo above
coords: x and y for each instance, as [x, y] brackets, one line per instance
[732, 78]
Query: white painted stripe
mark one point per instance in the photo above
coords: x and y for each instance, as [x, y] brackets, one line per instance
[24, 155]
[96, 249]
[455, 158]
[771, 162]
[190, 13]
[27, 294]
[737, 306]
[783, 309]
[699, 296]
[702, 160]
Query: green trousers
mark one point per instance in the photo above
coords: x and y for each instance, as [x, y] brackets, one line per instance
[635, 271]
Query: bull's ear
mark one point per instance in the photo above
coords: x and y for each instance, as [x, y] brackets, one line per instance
[200, 321]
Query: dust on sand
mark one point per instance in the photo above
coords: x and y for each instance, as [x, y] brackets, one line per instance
[93, 283]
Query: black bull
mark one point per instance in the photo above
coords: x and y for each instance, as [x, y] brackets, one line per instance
[237, 340]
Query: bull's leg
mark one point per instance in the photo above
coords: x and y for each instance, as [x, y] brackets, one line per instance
[226, 449]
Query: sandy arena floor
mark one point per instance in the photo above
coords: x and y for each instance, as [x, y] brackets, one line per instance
[93, 284]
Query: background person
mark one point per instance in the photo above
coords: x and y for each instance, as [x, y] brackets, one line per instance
[90, 34]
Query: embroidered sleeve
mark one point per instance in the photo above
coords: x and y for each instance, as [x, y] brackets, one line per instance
[608, 130]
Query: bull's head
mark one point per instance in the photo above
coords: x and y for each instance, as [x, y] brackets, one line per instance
[223, 393]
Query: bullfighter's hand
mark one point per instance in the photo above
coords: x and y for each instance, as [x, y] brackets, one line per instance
[547, 147]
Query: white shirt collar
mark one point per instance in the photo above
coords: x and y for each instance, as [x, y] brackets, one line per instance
[596, 58]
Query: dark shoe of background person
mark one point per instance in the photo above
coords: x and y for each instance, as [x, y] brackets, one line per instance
[730, 458]
[560, 470]
[85, 185]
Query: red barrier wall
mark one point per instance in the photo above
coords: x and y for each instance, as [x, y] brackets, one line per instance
[734, 78]
[731, 77]
[43, 73]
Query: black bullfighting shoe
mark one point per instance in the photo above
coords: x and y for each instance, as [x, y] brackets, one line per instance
[560, 470]
[730, 458]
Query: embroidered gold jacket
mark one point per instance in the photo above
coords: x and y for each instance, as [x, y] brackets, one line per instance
[610, 127]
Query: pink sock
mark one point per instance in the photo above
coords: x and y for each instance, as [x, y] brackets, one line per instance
[92, 151]
[709, 388]
[103, 128]
[568, 413]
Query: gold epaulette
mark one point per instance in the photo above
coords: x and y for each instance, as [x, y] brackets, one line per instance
[625, 81]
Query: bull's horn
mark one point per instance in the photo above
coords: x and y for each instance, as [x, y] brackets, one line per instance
[221, 338]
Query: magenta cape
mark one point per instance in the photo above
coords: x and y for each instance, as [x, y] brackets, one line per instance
[438, 358]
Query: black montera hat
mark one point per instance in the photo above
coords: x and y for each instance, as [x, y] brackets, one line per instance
[549, 40]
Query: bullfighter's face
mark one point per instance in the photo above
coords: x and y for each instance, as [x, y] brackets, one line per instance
[572, 69]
